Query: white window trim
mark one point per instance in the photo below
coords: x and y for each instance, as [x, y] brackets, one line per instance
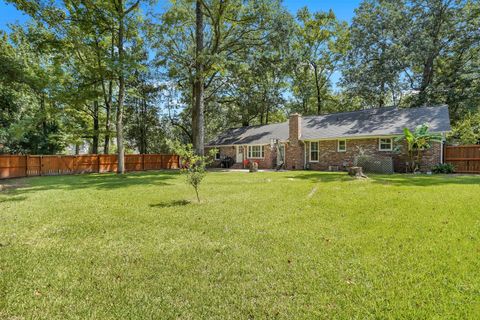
[310, 151]
[380, 144]
[262, 151]
[338, 145]
[219, 155]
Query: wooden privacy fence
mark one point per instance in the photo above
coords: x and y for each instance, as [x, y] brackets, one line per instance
[466, 159]
[13, 166]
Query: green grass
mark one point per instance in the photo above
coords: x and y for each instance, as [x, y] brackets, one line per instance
[265, 245]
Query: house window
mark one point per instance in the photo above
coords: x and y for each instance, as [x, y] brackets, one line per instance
[217, 156]
[385, 144]
[314, 151]
[255, 152]
[342, 145]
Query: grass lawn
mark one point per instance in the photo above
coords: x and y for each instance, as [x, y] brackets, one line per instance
[265, 245]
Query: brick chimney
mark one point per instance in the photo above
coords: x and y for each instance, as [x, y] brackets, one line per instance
[294, 127]
[294, 154]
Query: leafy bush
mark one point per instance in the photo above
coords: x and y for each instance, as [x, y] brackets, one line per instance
[418, 141]
[443, 168]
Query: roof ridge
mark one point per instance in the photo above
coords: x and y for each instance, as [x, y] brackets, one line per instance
[379, 108]
[257, 125]
[351, 111]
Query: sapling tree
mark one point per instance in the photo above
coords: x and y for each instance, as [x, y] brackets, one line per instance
[194, 166]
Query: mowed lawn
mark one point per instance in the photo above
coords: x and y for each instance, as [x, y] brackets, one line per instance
[265, 245]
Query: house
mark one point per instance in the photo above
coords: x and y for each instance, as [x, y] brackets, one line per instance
[333, 141]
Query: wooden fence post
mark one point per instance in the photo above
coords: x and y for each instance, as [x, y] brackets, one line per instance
[41, 166]
[98, 163]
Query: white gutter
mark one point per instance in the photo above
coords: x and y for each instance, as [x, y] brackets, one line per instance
[243, 144]
[360, 137]
[354, 137]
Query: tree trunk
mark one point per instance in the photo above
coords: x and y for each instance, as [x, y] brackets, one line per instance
[198, 129]
[44, 115]
[121, 92]
[418, 162]
[381, 99]
[106, 144]
[108, 102]
[96, 128]
[144, 130]
[427, 76]
[429, 63]
[356, 172]
[317, 86]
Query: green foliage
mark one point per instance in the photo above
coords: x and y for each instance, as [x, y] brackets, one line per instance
[194, 166]
[415, 52]
[319, 45]
[371, 70]
[444, 168]
[246, 62]
[467, 130]
[61, 70]
[416, 142]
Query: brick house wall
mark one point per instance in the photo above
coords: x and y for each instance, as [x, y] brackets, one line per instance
[267, 162]
[225, 151]
[297, 150]
[330, 156]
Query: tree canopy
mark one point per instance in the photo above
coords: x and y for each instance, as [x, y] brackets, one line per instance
[106, 76]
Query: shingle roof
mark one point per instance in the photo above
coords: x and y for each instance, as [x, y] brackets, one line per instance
[370, 122]
[374, 122]
[252, 135]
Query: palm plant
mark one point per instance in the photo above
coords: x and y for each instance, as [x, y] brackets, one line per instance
[418, 141]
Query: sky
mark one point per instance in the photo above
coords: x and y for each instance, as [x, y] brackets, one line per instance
[344, 9]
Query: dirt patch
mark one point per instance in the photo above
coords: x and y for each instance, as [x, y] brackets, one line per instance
[312, 192]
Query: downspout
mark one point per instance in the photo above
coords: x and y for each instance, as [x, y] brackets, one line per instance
[442, 150]
[304, 155]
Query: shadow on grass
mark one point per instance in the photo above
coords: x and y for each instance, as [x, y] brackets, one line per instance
[320, 176]
[168, 204]
[395, 179]
[12, 199]
[104, 181]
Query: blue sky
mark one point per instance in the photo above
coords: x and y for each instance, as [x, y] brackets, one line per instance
[343, 9]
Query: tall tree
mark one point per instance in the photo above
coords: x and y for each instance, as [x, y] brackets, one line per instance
[321, 42]
[230, 29]
[371, 68]
[198, 113]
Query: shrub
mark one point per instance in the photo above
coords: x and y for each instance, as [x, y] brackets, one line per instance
[443, 168]
[418, 141]
[194, 166]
